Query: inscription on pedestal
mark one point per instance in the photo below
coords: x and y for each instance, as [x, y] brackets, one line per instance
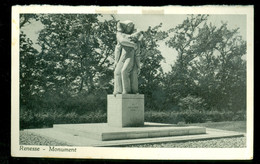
[125, 110]
[133, 107]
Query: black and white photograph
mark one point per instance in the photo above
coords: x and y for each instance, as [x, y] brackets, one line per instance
[132, 82]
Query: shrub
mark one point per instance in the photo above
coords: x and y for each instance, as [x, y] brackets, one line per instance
[29, 119]
[47, 119]
[193, 116]
[191, 103]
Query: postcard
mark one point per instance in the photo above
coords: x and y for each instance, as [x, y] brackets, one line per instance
[171, 82]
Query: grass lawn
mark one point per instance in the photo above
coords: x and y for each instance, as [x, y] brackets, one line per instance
[238, 126]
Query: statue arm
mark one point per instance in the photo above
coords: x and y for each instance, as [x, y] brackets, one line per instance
[137, 56]
[137, 34]
[118, 49]
[124, 40]
[137, 60]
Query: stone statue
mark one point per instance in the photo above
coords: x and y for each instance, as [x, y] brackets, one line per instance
[127, 59]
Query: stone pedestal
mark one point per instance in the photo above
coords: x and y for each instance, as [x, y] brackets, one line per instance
[125, 110]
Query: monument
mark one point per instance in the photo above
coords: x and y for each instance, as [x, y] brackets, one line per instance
[126, 107]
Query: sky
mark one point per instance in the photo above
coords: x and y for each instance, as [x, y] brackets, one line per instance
[143, 21]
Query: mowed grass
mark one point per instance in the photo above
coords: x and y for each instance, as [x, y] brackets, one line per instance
[238, 126]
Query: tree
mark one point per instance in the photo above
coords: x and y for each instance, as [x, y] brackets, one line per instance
[231, 73]
[27, 18]
[150, 79]
[28, 68]
[220, 68]
[107, 38]
[179, 82]
[209, 64]
[204, 67]
[75, 53]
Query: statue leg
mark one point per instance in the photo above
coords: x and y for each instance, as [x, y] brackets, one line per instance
[134, 80]
[125, 72]
[118, 88]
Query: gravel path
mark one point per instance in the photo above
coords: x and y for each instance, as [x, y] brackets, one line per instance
[28, 138]
[234, 142]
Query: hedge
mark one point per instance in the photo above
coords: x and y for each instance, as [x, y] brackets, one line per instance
[47, 119]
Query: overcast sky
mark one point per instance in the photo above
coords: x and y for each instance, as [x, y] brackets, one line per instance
[142, 22]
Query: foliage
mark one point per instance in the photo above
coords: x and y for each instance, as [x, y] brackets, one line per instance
[29, 119]
[193, 116]
[209, 64]
[28, 66]
[191, 103]
[76, 52]
[26, 19]
[179, 82]
[151, 70]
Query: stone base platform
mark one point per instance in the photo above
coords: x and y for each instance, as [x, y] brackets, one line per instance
[125, 110]
[100, 135]
[104, 132]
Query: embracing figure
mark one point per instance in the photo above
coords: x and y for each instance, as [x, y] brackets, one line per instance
[127, 59]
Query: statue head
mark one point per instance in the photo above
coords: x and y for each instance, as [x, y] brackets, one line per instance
[125, 27]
